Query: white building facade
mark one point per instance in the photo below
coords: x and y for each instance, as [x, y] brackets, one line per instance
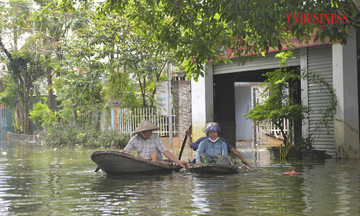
[213, 96]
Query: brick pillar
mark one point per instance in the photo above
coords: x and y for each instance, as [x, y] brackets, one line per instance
[182, 104]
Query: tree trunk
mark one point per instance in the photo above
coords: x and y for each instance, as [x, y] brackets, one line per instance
[18, 119]
[51, 99]
[26, 121]
[15, 38]
[26, 96]
[281, 127]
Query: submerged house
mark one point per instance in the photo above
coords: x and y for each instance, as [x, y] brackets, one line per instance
[227, 92]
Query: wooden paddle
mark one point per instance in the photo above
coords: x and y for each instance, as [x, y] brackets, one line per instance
[183, 144]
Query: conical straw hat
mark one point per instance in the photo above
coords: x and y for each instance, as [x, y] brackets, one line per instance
[145, 126]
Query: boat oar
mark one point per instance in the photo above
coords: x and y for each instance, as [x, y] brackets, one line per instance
[183, 144]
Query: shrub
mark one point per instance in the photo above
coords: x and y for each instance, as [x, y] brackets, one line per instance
[70, 135]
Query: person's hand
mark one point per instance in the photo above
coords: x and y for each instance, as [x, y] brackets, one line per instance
[199, 163]
[188, 132]
[247, 165]
[183, 164]
[123, 151]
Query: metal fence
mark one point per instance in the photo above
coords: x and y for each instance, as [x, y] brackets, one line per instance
[274, 130]
[128, 120]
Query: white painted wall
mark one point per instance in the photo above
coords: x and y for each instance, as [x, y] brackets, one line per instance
[242, 106]
[346, 123]
[202, 100]
[304, 89]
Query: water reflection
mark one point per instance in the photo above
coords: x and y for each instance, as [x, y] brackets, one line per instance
[332, 187]
[47, 181]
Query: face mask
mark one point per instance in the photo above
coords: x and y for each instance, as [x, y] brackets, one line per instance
[213, 140]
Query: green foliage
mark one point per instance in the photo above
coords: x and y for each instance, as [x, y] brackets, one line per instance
[9, 93]
[120, 87]
[69, 135]
[279, 101]
[42, 115]
[198, 31]
[24, 70]
[280, 88]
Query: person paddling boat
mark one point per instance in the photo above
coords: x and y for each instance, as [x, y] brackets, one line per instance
[149, 145]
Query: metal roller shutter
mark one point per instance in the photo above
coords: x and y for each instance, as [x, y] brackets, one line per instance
[319, 59]
[257, 63]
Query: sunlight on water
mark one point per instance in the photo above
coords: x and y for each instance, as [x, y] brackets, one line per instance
[44, 181]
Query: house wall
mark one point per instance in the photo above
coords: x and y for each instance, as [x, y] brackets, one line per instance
[6, 124]
[202, 100]
[345, 74]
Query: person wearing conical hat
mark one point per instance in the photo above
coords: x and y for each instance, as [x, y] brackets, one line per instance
[149, 145]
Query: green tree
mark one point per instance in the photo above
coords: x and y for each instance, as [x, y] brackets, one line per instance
[53, 23]
[216, 29]
[129, 57]
[146, 61]
[108, 34]
[24, 70]
[79, 87]
[23, 66]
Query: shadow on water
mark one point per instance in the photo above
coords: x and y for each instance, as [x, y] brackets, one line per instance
[36, 180]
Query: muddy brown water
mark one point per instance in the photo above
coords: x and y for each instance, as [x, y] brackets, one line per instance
[61, 181]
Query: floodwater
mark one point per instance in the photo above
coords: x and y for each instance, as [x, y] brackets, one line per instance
[48, 181]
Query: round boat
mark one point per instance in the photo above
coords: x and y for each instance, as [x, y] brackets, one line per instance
[114, 162]
[216, 169]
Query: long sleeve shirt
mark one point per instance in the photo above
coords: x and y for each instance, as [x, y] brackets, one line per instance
[211, 149]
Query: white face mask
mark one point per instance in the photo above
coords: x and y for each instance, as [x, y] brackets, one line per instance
[213, 140]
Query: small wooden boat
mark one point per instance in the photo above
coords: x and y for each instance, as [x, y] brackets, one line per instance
[114, 162]
[216, 169]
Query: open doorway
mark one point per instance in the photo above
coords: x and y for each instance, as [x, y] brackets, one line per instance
[225, 106]
[245, 98]
[234, 95]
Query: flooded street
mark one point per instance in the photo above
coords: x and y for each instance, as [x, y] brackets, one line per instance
[52, 181]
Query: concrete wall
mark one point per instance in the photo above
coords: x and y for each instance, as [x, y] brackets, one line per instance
[23, 138]
[346, 125]
[202, 102]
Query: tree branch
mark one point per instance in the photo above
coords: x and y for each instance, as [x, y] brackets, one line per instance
[2, 48]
